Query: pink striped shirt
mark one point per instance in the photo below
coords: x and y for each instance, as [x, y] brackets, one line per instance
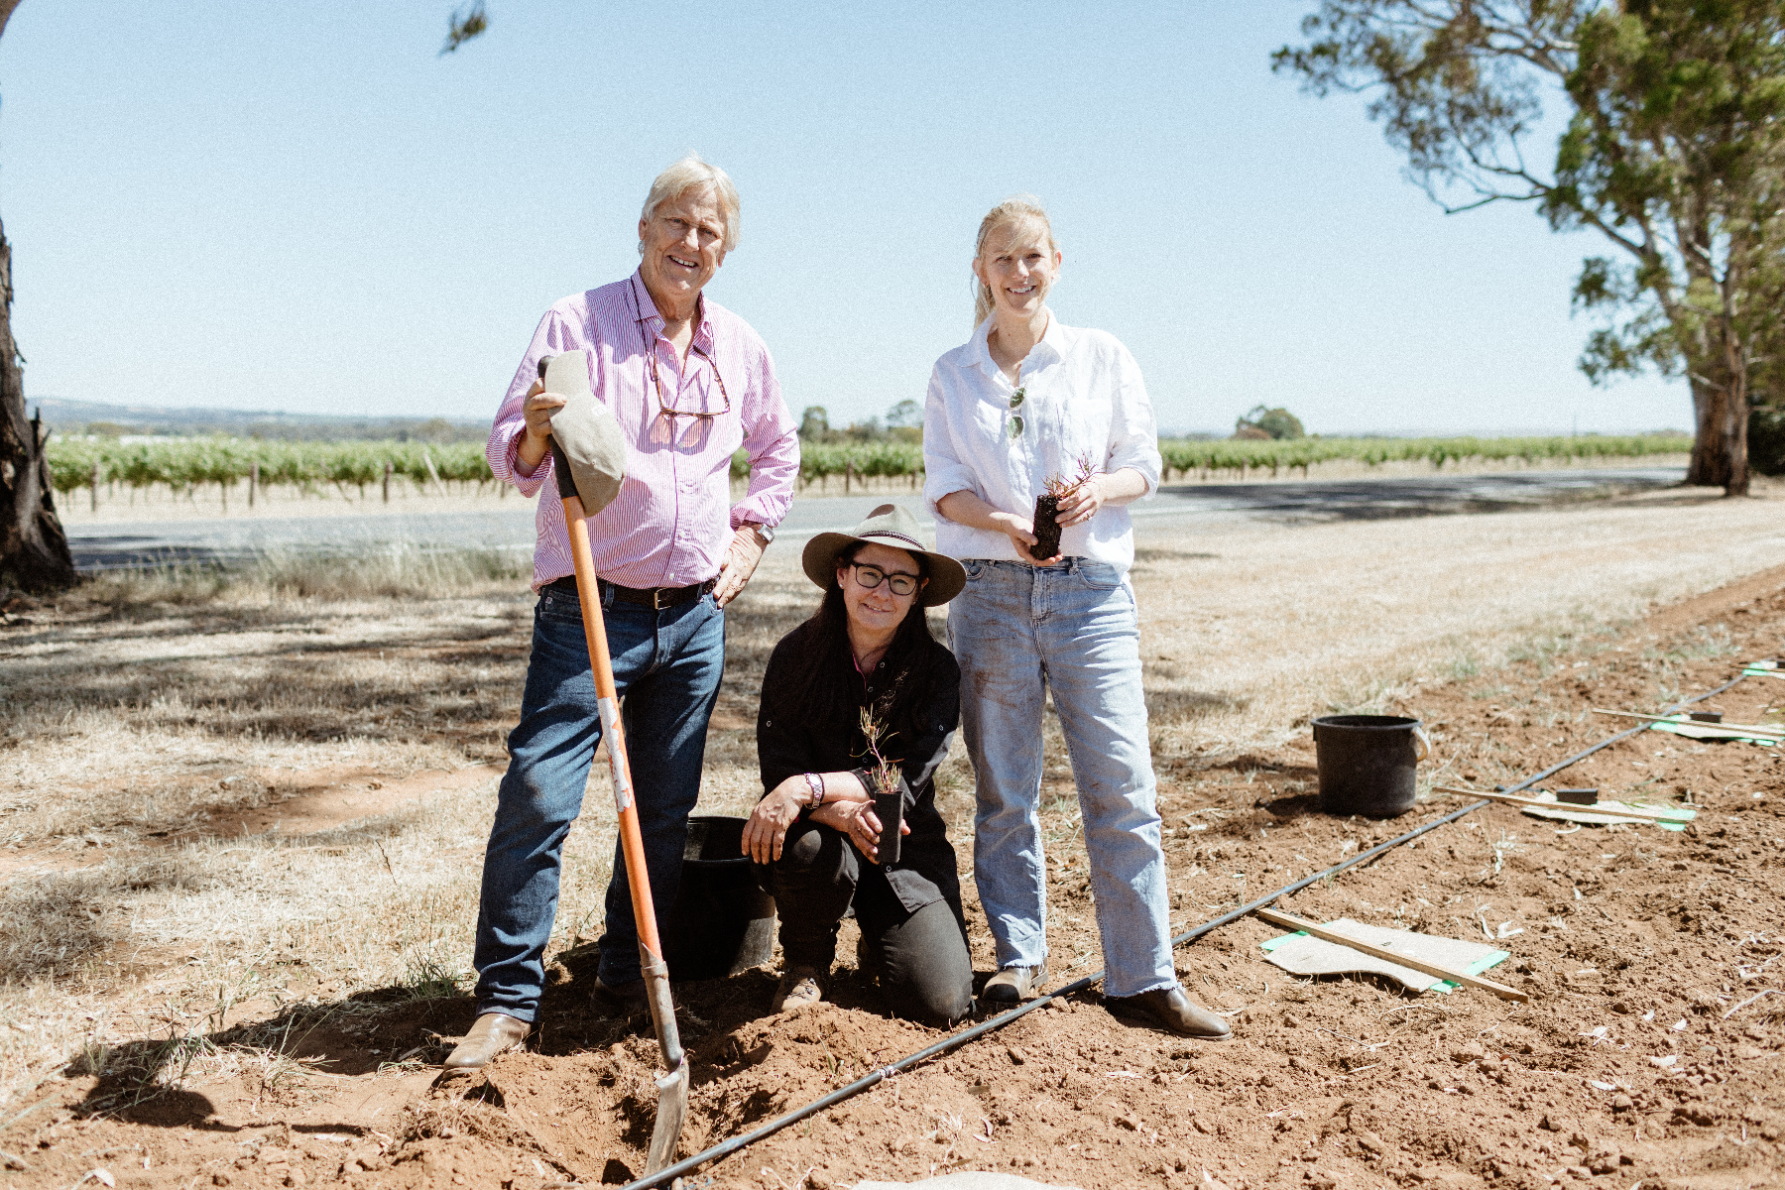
[670, 524]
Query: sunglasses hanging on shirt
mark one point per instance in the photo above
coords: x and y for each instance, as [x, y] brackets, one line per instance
[1013, 428]
[663, 427]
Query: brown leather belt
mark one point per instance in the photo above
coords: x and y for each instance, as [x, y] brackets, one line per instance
[655, 598]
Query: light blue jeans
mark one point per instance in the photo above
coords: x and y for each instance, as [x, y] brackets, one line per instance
[1019, 631]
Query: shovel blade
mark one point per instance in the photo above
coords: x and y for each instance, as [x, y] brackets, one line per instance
[672, 1109]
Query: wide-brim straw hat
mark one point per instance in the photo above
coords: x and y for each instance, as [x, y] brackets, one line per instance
[887, 525]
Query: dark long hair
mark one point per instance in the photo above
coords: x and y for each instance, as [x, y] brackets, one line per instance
[827, 666]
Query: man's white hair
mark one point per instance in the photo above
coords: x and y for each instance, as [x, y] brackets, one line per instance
[691, 173]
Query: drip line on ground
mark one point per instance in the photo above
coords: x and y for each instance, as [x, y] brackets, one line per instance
[956, 1040]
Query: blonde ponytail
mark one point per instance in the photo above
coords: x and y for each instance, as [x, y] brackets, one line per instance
[1018, 208]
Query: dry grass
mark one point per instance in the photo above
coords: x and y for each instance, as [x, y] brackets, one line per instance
[145, 702]
[1249, 631]
[392, 570]
[143, 720]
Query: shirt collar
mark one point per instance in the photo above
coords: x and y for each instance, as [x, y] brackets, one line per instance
[646, 309]
[1053, 341]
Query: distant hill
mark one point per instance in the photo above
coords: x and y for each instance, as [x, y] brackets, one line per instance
[94, 417]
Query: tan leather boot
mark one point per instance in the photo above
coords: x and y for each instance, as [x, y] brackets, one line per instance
[1176, 1011]
[494, 1033]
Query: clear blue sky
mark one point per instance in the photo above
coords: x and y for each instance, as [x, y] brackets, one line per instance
[301, 207]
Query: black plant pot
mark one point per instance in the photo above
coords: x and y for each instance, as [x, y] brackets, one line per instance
[1047, 529]
[889, 808]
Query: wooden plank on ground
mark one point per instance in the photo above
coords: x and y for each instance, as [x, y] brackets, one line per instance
[1291, 922]
[1616, 810]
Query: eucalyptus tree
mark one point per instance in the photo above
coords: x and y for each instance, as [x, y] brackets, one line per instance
[33, 549]
[1674, 153]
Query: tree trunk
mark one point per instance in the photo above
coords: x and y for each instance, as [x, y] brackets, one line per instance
[1735, 440]
[33, 549]
[1720, 439]
[1708, 466]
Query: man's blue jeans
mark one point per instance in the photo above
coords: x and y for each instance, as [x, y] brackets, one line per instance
[1019, 631]
[667, 666]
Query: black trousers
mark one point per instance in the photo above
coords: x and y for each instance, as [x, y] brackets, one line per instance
[924, 964]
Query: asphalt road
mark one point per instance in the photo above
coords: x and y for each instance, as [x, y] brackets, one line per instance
[232, 541]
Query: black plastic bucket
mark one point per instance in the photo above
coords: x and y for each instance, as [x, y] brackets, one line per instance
[722, 922]
[1367, 763]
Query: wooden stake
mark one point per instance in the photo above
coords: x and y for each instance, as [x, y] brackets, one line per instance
[1291, 922]
[1733, 728]
[1596, 808]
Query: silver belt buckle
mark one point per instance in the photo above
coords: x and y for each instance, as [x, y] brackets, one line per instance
[657, 603]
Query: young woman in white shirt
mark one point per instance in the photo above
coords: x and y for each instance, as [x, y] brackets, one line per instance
[1022, 401]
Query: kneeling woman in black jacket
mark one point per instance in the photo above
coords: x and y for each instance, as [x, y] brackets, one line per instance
[866, 656]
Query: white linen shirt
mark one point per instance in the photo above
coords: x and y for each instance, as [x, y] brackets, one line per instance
[1083, 396]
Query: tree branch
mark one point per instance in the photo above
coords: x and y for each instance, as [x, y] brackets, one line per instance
[464, 24]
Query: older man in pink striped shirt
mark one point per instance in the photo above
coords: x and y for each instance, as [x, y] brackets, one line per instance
[690, 383]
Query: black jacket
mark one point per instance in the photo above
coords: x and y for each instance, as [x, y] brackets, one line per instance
[793, 737]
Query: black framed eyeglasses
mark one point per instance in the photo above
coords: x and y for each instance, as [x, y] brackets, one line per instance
[868, 577]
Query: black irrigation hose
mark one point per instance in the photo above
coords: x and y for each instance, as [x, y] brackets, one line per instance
[1234, 915]
[1622, 735]
[956, 1040]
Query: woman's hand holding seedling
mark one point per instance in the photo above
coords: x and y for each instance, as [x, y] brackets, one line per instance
[858, 821]
[966, 508]
[1093, 493]
[1020, 531]
[1081, 502]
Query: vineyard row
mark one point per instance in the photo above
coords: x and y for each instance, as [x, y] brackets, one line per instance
[187, 463]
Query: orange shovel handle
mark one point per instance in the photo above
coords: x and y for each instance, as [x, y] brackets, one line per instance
[632, 842]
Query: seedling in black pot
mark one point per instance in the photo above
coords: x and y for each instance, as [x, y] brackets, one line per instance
[1047, 507]
[883, 786]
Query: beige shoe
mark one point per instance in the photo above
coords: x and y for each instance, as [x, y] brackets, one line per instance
[494, 1033]
[1013, 985]
[798, 989]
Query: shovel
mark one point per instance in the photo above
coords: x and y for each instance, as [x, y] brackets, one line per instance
[672, 1088]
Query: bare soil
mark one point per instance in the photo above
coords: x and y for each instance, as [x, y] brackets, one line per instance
[1648, 1053]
